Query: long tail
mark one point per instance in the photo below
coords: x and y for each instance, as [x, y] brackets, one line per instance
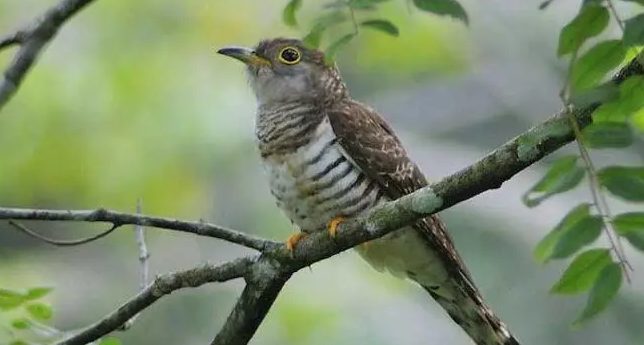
[469, 311]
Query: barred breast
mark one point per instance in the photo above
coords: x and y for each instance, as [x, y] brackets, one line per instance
[316, 182]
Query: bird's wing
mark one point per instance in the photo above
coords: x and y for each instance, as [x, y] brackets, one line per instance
[374, 147]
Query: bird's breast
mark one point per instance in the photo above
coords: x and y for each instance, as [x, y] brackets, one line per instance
[317, 182]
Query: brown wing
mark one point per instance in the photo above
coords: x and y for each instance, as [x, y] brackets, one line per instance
[375, 149]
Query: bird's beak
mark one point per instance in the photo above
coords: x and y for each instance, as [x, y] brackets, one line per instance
[243, 54]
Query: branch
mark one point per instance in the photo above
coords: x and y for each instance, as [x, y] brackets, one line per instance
[121, 218]
[32, 39]
[161, 286]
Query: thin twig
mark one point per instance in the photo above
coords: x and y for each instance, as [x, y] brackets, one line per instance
[61, 243]
[144, 255]
[616, 15]
[161, 286]
[121, 218]
[32, 40]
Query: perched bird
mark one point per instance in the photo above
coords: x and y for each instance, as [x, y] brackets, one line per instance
[329, 157]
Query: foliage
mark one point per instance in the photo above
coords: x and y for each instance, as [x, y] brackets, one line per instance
[599, 271]
[24, 317]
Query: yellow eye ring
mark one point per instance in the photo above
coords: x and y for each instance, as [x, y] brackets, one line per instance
[289, 55]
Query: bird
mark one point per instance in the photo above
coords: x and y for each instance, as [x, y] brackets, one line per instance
[328, 158]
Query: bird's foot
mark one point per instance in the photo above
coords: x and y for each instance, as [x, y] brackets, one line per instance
[334, 224]
[293, 239]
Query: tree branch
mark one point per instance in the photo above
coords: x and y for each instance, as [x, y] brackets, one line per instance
[32, 39]
[121, 218]
[161, 286]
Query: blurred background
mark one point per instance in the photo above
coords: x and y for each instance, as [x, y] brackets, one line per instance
[131, 101]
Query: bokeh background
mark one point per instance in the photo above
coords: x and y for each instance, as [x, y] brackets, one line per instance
[130, 101]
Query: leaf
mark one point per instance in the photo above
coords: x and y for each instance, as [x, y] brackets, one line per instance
[593, 65]
[288, 15]
[335, 46]
[38, 292]
[600, 94]
[604, 290]
[18, 342]
[590, 21]
[624, 182]
[20, 323]
[564, 174]
[634, 31]
[628, 103]
[382, 25]
[631, 226]
[39, 311]
[10, 293]
[110, 341]
[364, 4]
[545, 248]
[582, 272]
[10, 299]
[583, 232]
[608, 135]
[443, 8]
[312, 39]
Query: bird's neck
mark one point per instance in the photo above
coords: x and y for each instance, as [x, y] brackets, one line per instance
[284, 127]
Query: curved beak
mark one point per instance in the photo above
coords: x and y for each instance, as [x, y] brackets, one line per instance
[243, 54]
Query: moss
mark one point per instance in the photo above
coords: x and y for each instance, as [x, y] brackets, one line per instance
[425, 202]
[528, 144]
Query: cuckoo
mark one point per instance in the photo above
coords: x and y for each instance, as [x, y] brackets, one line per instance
[329, 157]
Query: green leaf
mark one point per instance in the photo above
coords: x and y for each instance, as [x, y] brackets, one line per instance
[335, 46]
[11, 293]
[38, 292]
[631, 226]
[382, 25]
[589, 22]
[627, 104]
[582, 272]
[39, 311]
[443, 8]
[545, 248]
[288, 15]
[110, 341]
[313, 38]
[593, 65]
[564, 174]
[634, 31]
[624, 182]
[583, 232]
[605, 289]
[20, 323]
[600, 94]
[364, 4]
[18, 342]
[10, 299]
[608, 135]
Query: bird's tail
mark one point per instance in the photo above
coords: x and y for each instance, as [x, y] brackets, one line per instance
[466, 307]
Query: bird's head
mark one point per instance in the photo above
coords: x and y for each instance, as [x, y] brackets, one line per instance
[283, 70]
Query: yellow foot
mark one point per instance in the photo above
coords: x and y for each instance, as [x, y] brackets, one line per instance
[334, 224]
[293, 239]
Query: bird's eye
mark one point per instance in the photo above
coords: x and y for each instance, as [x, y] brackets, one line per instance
[289, 56]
